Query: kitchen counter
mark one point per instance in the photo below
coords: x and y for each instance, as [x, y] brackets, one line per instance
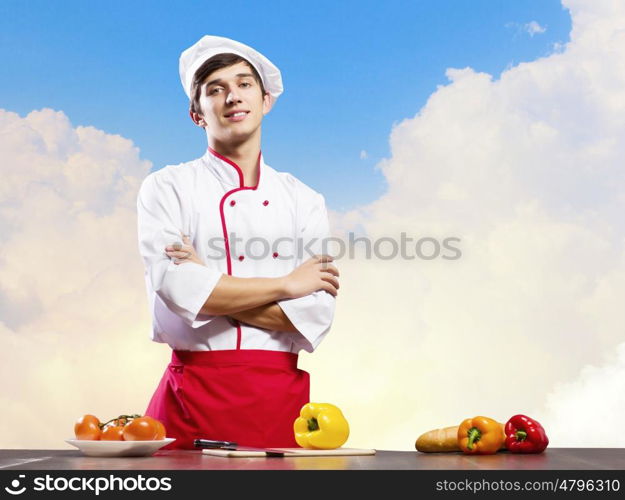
[551, 459]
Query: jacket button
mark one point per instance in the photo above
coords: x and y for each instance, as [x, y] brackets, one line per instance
[241, 257]
[233, 203]
[275, 255]
[266, 202]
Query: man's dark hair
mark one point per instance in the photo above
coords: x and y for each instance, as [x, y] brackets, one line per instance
[211, 65]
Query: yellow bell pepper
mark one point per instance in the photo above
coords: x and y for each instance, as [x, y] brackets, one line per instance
[321, 426]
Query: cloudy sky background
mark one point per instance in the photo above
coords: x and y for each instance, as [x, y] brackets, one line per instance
[524, 165]
[351, 69]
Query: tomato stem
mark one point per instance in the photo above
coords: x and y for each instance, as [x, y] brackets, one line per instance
[125, 418]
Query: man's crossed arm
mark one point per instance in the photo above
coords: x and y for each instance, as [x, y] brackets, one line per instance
[253, 300]
[268, 316]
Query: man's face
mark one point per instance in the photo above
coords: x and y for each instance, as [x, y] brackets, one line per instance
[232, 104]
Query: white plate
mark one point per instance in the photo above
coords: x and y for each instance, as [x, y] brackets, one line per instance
[118, 448]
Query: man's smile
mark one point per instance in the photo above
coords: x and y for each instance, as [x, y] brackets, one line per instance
[236, 116]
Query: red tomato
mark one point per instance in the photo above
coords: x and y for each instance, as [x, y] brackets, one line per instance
[113, 433]
[141, 429]
[87, 427]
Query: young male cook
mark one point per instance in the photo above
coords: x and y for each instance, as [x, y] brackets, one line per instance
[233, 259]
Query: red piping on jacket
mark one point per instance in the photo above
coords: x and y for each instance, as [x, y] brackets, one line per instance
[223, 219]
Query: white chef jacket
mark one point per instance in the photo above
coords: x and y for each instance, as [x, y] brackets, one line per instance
[271, 229]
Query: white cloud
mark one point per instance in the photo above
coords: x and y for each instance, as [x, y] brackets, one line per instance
[598, 392]
[363, 155]
[74, 314]
[527, 169]
[533, 28]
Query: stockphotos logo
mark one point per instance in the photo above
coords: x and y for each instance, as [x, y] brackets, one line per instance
[95, 485]
[15, 489]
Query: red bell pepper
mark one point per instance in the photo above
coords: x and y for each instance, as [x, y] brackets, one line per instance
[525, 435]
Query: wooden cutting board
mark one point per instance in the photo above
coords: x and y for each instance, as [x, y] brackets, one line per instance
[289, 452]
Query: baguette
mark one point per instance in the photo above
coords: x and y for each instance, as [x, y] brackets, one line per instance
[445, 439]
[441, 440]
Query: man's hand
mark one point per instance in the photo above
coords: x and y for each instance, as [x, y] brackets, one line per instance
[315, 274]
[183, 252]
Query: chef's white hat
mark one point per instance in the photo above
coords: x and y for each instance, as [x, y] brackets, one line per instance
[208, 46]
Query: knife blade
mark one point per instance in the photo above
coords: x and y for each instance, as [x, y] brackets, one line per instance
[231, 445]
[270, 452]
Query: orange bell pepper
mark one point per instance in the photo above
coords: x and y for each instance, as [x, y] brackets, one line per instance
[480, 436]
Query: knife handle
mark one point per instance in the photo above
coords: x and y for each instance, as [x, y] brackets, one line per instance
[209, 443]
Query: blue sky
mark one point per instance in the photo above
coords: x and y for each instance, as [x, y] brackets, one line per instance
[350, 69]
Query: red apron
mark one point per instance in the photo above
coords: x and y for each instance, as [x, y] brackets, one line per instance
[248, 396]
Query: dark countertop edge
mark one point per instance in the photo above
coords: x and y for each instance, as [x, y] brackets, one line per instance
[51, 450]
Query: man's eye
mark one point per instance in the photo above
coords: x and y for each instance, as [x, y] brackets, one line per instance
[247, 84]
[214, 91]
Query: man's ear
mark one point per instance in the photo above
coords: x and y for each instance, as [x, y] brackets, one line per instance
[197, 119]
[268, 102]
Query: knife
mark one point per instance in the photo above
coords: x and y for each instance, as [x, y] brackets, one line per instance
[230, 445]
